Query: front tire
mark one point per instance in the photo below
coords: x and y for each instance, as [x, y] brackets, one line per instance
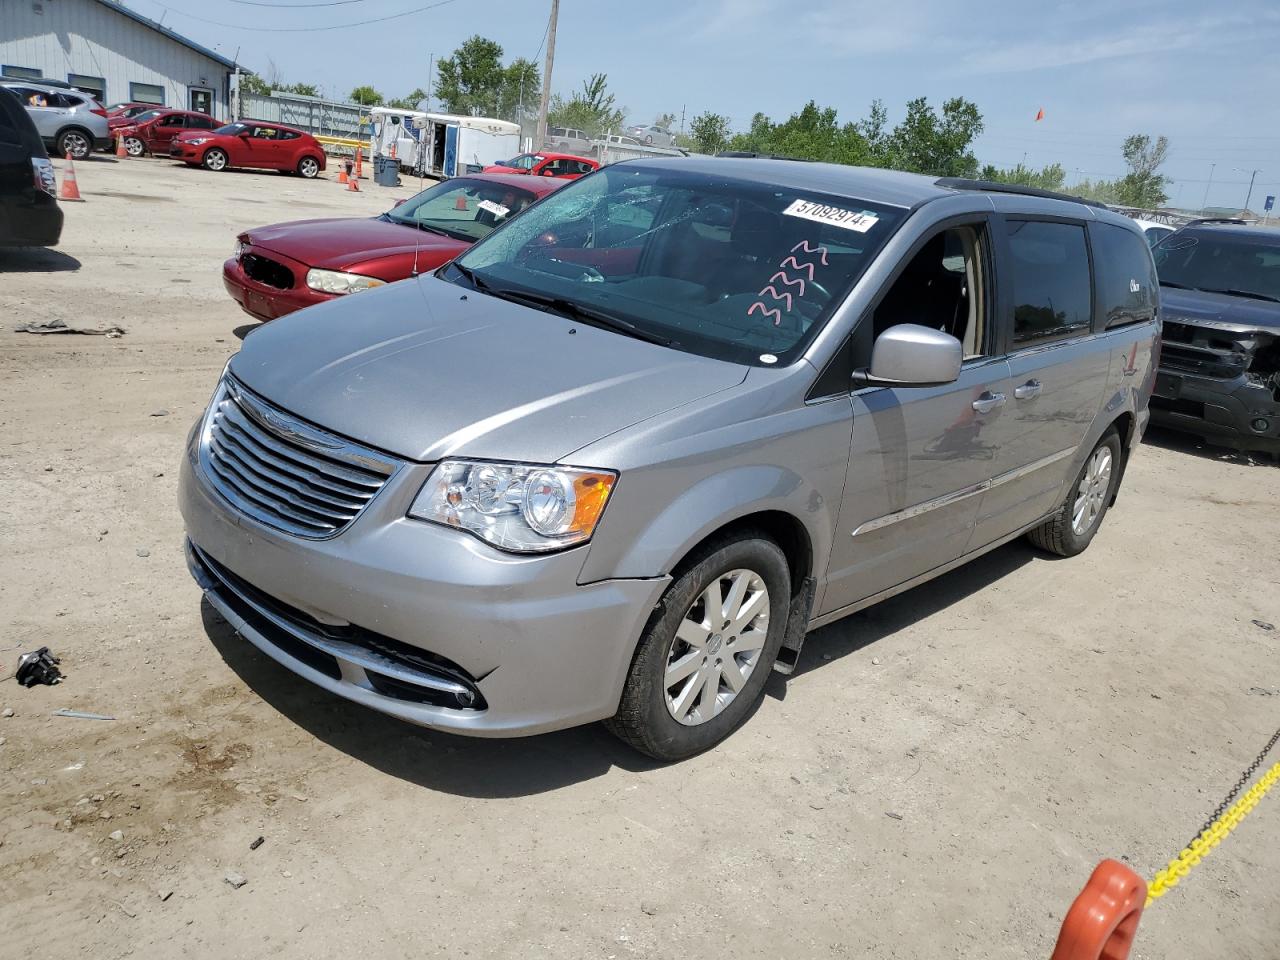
[308, 167]
[75, 142]
[701, 666]
[215, 160]
[134, 147]
[1070, 531]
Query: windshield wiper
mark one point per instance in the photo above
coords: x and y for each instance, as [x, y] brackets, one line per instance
[476, 282]
[576, 311]
[1247, 293]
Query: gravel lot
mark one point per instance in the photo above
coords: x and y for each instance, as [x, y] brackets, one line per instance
[938, 779]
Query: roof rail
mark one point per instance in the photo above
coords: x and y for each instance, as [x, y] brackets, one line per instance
[40, 82]
[1201, 221]
[993, 186]
[750, 155]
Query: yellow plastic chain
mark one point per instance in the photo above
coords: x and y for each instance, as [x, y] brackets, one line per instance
[1213, 835]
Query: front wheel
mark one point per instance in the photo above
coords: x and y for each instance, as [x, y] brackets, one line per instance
[702, 664]
[308, 167]
[134, 147]
[1069, 531]
[215, 160]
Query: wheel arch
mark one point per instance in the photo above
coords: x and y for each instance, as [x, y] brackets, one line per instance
[783, 528]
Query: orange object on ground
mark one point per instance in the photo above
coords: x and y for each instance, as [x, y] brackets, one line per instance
[1103, 921]
[69, 189]
[359, 168]
[342, 173]
[353, 185]
[120, 150]
[393, 151]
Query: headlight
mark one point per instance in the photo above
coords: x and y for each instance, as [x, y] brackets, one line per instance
[196, 141]
[331, 281]
[515, 506]
[241, 247]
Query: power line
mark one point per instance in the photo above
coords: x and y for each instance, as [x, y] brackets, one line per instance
[298, 6]
[336, 26]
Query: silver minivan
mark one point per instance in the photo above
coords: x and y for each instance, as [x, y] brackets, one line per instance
[617, 459]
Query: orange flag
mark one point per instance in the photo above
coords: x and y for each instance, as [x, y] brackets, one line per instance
[1039, 114]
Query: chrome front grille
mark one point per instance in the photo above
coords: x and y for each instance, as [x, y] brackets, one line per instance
[284, 472]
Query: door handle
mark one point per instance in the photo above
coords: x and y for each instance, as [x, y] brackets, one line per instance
[988, 402]
[1028, 391]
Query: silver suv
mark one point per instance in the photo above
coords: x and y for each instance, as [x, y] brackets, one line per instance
[68, 120]
[613, 462]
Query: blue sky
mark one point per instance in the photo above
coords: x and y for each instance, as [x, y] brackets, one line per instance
[1207, 75]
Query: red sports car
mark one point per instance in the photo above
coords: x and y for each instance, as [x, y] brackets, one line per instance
[288, 266]
[154, 131]
[250, 143]
[566, 166]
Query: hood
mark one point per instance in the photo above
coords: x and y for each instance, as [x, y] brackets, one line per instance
[337, 244]
[426, 369]
[1220, 310]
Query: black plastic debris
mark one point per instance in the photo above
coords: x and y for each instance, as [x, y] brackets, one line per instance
[38, 666]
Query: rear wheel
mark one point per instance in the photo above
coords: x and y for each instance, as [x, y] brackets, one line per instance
[215, 159]
[702, 664]
[134, 147]
[1069, 531]
[308, 167]
[75, 142]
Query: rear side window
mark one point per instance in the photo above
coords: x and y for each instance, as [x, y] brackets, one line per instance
[1052, 291]
[1126, 276]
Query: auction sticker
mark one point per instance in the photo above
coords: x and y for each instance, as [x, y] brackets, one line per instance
[861, 221]
[497, 209]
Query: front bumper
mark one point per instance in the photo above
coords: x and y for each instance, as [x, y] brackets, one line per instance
[264, 302]
[1236, 412]
[541, 651]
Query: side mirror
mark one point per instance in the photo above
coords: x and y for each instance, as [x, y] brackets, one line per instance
[909, 355]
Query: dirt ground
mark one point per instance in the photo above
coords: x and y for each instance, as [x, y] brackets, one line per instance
[938, 779]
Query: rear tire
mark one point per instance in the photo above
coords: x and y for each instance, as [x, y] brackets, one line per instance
[682, 667]
[308, 167]
[75, 142]
[134, 147]
[215, 159]
[1069, 531]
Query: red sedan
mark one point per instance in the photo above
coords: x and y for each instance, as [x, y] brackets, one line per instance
[565, 166]
[154, 131]
[250, 143]
[288, 266]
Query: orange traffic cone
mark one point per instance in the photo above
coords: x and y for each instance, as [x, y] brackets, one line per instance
[1103, 921]
[353, 185]
[342, 173]
[69, 190]
[120, 150]
[359, 169]
[393, 151]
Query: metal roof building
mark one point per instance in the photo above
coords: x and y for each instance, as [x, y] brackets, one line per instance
[105, 48]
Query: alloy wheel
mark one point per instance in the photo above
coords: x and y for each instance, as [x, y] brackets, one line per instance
[308, 167]
[133, 146]
[76, 145]
[716, 646]
[1092, 492]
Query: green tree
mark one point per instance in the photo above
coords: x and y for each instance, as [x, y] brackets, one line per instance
[252, 83]
[1143, 186]
[366, 96]
[940, 146]
[812, 134]
[665, 120]
[709, 132]
[591, 109]
[1052, 177]
[473, 81]
[410, 102]
[302, 89]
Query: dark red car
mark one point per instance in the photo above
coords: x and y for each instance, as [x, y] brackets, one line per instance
[566, 166]
[154, 131]
[251, 143]
[126, 111]
[288, 266]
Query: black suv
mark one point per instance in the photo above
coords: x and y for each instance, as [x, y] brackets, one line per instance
[29, 212]
[1219, 372]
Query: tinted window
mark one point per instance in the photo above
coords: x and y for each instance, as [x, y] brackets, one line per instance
[1126, 275]
[1052, 294]
[289, 135]
[1234, 263]
[731, 269]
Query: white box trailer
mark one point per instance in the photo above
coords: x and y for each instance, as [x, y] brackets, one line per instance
[441, 144]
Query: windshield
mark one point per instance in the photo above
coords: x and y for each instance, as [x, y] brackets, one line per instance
[462, 209]
[523, 162]
[1220, 263]
[731, 269]
[231, 129]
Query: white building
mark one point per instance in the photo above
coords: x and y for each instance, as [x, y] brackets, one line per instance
[105, 48]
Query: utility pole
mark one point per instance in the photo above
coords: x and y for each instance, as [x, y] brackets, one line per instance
[546, 75]
[1205, 203]
[682, 109]
[1253, 174]
[431, 80]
